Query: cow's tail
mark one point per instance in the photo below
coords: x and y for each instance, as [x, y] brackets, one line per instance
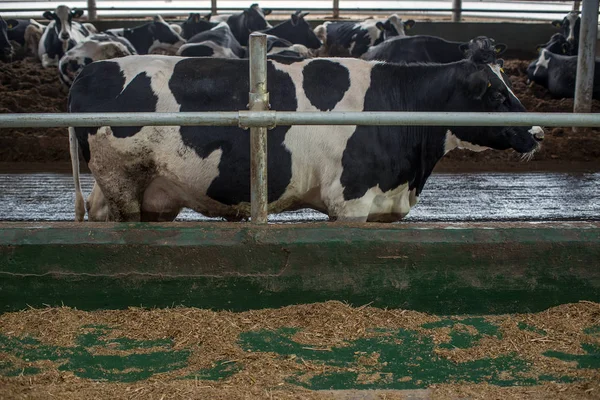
[74, 150]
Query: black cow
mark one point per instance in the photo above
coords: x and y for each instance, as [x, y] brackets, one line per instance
[61, 34]
[6, 49]
[570, 26]
[246, 22]
[154, 37]
[422, 48]
[557, 73]
[558, 44]
[296, 30]
[195, 24]
[352, 173]
[217, 42]
[354, 39]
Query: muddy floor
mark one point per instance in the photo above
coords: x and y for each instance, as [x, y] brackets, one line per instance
[304, 351]
[26, 87]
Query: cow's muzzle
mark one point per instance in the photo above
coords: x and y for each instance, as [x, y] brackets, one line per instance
[537, 132]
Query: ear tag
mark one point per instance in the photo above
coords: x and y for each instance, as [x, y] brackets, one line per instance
[9, 26]
[497, 50]
[489, 84]
[502, 70]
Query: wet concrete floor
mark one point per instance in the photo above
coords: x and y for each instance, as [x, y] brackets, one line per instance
[446, 197]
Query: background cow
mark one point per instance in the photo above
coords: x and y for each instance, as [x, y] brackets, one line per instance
[217, 42]
[354, 39]
[352, 173]
[244, 23]
[570, 26]
[61, 34]
[195, 24]
[6, 49]
[558, 73]
[154, 37]
[296, 30]
[27, 33]
[557, 44]
[94, 48]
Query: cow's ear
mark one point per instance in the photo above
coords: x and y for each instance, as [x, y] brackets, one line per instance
[500, 63]
[500, 48]
[49, 15]
[294, 18]
[77, 13]
[464, 49]
[557, 23]
[267, 11]
[477, 84]
[207, 16]
[409, 24]
[380, 26]
[539, 48]
[303, 14]
[158, 18]
[196, 17]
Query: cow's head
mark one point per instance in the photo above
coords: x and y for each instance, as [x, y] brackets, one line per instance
[255, 18]
[297, 31]
[486, 88]
[6, 49]
[63, 18]
[85, 53]
[394, 26]
[482, 49]
[569, 26]
[538, 70]
[164, 39]
[558, 44]
[196, 23]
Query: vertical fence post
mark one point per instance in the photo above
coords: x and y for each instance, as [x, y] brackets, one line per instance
[336, 9]
[92, 12]
[213, 7]
[259, 101]
[585, 59]
[456, 10]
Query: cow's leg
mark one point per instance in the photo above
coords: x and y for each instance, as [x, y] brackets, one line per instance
[97, 206]
[122, 196]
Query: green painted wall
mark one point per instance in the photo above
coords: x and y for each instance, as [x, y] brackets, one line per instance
[444, 269]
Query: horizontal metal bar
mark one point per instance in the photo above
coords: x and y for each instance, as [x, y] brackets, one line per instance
[271, 118]
[287, 9]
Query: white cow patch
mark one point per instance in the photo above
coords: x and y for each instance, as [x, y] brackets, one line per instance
[453, 142]
[542, 62]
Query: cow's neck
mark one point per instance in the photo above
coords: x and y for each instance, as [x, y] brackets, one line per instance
[140, 38]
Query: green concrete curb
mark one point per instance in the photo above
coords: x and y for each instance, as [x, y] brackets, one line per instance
[439, 268]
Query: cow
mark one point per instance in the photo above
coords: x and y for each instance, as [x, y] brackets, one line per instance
[244, 23]
[195, 24]
[351, 173]
[296, 30]
[26, 32]
[282, 47]
[154, 37]
[61, 34]
[94, 48]
[558, 44]
[557, 73]
[343, 38]
[570, 26]
[6, 49]
[217, 42]
[422, 48]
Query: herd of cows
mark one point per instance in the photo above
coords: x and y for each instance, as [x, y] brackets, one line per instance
[351, 173]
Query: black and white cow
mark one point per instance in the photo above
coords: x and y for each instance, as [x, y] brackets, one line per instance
[154, 37]
[558, 44]
[342, 38]
[93, 48]
[6, 49]
[421, 48]
[217, 42]
[352, 173]
[195, 24]
[557, 73]
[244, 23]
[26, 32]
[61, 34]
[296, 30]
[570, 26]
